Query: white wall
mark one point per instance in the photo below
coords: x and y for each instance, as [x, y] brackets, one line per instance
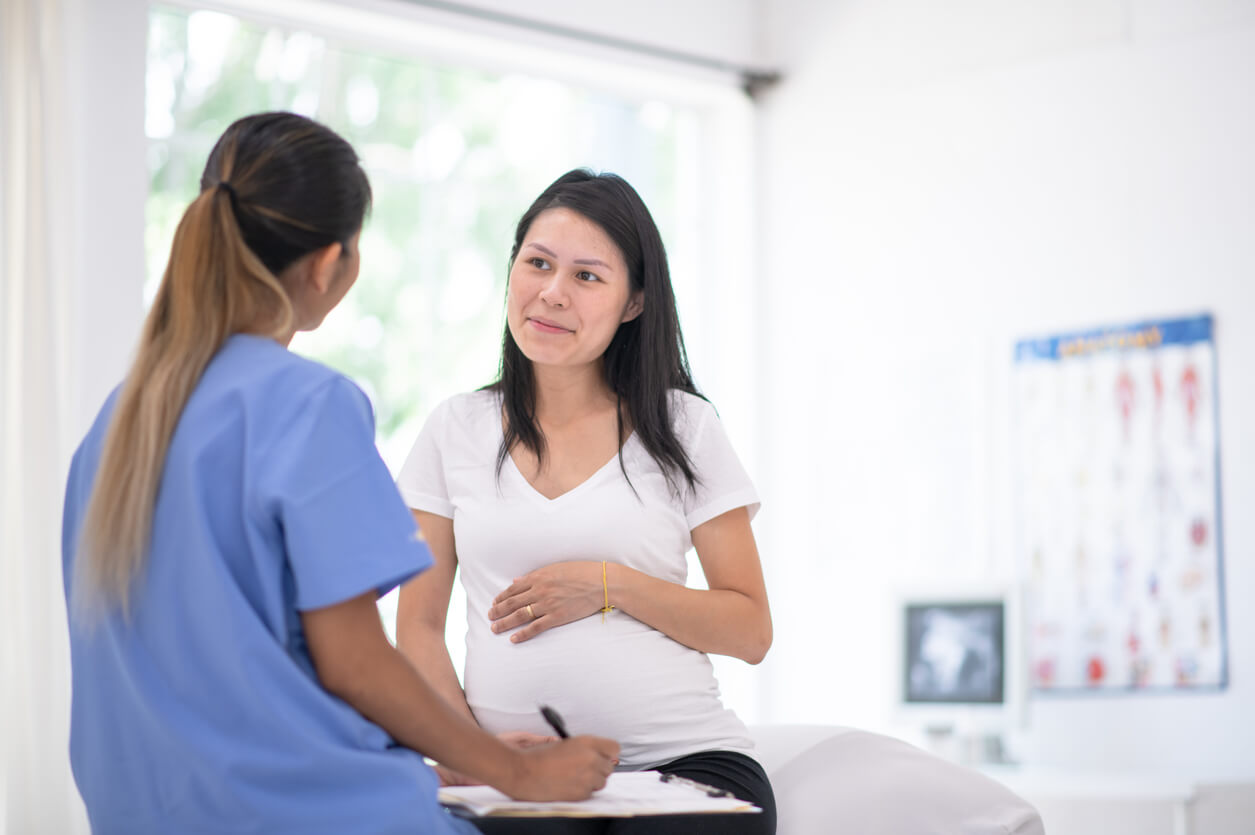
[938, 180]
[112, 179]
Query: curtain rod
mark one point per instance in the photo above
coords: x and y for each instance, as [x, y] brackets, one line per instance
[753, 79]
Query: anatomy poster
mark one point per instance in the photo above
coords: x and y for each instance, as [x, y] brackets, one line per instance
[1118, 507]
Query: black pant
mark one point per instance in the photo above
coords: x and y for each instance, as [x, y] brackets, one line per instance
[737, 773]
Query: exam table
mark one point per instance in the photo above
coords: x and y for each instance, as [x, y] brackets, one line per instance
[830, 779]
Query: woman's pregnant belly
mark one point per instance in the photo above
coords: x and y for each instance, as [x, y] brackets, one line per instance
[619, 679]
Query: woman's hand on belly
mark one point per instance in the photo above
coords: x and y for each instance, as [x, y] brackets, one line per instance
[731, 617]
[547, 597]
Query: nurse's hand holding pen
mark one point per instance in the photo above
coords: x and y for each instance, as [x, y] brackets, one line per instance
[603, 747]
[554, 770]
[553, 762]
[515, 739]
[570, 769]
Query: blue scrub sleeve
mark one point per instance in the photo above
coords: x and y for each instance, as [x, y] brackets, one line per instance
[345, 527]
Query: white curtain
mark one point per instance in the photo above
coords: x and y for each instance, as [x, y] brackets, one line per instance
[37, 793]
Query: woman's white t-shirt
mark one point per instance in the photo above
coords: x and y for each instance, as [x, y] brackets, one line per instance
[620, 679]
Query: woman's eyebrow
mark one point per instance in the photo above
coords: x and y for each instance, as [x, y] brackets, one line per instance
[595, 262]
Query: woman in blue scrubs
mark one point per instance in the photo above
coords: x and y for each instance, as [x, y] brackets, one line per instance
[228, 527]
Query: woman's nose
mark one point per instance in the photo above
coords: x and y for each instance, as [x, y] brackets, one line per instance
[553, 293]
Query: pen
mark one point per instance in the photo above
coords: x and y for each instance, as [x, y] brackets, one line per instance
[554, 720]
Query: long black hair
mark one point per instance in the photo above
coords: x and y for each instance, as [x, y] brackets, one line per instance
[646, 358]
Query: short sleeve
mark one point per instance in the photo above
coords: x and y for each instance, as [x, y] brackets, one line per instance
[345, 528]
[422, 480]
[723, 483]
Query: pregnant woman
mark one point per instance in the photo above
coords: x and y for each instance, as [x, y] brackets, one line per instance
[569, 492]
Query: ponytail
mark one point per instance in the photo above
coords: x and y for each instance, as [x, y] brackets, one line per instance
[215, 284]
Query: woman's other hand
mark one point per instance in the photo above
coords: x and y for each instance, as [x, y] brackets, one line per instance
[556, 594]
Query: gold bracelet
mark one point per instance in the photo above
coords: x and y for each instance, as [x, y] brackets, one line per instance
[605, 590]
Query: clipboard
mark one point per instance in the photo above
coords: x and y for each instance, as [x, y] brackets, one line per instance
[627, 794]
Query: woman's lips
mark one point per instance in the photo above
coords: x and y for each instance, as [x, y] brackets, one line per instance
[547, 327]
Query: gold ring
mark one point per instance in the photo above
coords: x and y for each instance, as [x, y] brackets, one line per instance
[530, 612]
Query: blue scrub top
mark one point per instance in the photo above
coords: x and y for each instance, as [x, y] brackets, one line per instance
[203, 714]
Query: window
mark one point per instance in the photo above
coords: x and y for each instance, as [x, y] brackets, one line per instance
[455, 154]
[454, 157]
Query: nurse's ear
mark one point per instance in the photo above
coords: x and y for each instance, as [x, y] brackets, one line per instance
[314, 284]
[324, 267]
[313, 273]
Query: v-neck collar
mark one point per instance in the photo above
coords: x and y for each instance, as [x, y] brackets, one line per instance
[561, 498]
[585, 485]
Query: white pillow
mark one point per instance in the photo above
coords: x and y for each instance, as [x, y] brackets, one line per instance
[838, 780]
